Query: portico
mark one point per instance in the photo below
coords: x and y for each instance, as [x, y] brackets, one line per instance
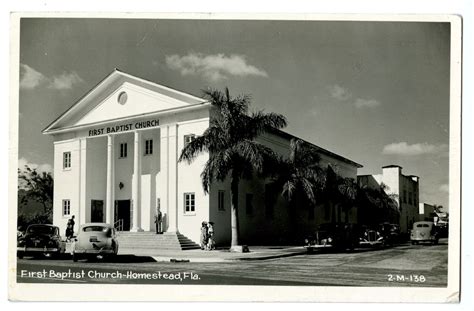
[124, 165]
[119, 158]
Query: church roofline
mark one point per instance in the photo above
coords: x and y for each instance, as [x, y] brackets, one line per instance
[118, 73]
[201, 102]
[322, 150]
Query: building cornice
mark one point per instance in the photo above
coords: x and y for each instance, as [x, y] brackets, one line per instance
[132, 117]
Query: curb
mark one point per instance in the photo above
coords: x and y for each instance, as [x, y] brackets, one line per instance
[214, 259]
[187, 260]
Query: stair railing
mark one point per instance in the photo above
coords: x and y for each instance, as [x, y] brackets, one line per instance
[119, 225]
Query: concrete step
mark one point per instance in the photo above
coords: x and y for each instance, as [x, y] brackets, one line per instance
[151, 240]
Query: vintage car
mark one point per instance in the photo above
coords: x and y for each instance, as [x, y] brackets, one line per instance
[424, 231]
[370, 237]
[394, 234]
[95, 240]
[339, 236]
[40, 239]
[385, 234]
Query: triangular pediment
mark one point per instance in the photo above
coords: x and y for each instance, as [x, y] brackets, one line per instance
[120, 96]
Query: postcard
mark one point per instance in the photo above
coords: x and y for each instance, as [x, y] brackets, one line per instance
[235, 157]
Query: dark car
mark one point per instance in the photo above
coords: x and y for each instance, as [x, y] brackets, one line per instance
[40, 240]
[372, 237]
[392, 233]
[339, 236]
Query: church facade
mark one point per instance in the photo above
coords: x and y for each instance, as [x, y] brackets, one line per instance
[116, 156]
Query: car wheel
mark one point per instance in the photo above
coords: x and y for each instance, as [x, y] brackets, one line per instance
[309, 250]
[20, 255]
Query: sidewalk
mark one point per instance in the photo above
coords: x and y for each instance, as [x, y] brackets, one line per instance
[218, 255]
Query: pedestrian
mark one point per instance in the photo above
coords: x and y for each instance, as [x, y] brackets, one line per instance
[211, 244]
[158, 221]
[70, 228]
[204, 235]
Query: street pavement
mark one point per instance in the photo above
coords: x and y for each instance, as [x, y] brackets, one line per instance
[403, 265]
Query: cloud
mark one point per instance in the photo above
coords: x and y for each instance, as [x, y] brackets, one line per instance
[47, 168]
[340, 93]
[366, 103]
[213, 67]
[343, 94]
[31, 79]
[404, 149]
[65, 81]
[444, 188]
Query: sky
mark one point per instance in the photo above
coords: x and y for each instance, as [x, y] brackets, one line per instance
[374, 92]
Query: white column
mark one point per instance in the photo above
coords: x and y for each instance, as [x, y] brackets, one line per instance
[82, 217]
[136, 191]
[163, 177]
[173, 177]
[110, 195]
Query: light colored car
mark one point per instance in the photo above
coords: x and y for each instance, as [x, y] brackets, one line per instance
[93, 240]
[424, 231]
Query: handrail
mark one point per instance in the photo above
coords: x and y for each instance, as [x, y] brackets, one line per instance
[119, 225]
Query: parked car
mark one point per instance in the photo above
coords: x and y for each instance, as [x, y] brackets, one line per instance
[370, 237]
[40, 239]
[340, 236]
[424, 231]
[394, 234]
[443, 229]
[93, 240]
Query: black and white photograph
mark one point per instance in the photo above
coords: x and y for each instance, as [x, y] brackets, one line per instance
[256, 152]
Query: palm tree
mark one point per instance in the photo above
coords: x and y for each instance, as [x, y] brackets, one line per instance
[230, 142]
[347, 192]
[299, 175]
[377, 205]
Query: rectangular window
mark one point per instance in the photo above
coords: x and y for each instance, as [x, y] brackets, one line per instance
[66, 159]
[148, 146]
[220, 200]
[188, 138]
[123, 150]
[66, 207]
[189, 203]
[249, 203]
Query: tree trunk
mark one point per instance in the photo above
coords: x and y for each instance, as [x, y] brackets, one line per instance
[234, 215]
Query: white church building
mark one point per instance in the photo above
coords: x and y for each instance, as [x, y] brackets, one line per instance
[116, 156]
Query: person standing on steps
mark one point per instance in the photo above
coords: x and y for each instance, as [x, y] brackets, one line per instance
[158, 221]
